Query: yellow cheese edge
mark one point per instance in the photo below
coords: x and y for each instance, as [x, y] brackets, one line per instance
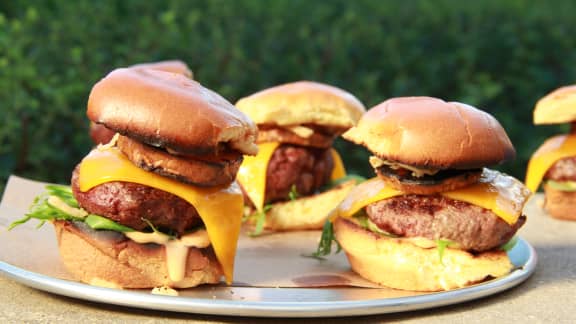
[109, 164]
[497, 192]
[338, 171]
[554, 149]
[252, 172]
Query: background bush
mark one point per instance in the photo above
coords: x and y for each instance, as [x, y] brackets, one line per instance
[500, 56]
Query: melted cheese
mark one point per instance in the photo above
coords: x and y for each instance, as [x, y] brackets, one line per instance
[252, 173]
[497, 192]
[555, 148]
[338, 171]
[108, 164]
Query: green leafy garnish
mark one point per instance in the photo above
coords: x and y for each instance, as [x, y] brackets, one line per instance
[58, 203]
[260, 218]
[569, 186]
[44, 211]
[326, 240]
[101, 223]
[64, 193]
[510, 244]
[442, 245]
[367, 224]
[293, 194]
[156, 230]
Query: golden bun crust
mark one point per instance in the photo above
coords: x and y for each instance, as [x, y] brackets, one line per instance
[431, 133]
[559, 204]
[125, 264]
[306, 213]
[174, 66]
[401, 265]
[171, 111]
[557, 107]
[303, 102]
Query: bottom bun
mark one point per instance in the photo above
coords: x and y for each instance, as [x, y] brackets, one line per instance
[402, 265]
[560, 204]
[306, 213]
[107, 258]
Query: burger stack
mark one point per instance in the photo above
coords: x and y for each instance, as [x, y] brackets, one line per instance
[158, 205]
[435, 218]
[554, 163]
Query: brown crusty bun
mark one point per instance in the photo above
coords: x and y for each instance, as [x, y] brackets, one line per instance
[110, 259]
[393, 263]
[174, 66]
[100, 134]
[156, 106]
[448, 135]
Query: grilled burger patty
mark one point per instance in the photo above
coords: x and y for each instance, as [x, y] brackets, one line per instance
[305, 167]
[434, 217]
[134, 205]
[563, 170]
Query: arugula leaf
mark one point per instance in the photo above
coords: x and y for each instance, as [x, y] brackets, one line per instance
[325, 244]
[97, 222]
[64, 193]
[510, 244]
[293, 194]
[442, 245]
[260, 217]
[42, 210]
[367, 224]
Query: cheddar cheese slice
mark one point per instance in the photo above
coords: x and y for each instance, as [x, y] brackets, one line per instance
[252, 173]
[554, 149]
[497, 192]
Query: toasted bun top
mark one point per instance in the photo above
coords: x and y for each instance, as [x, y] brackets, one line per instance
[169, 110]
[303, 102]
[174, 66]
[431, 133]
[559, 106]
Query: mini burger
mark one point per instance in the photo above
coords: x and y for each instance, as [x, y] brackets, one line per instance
[297, 124]
[554, 163]
[434, 218]
[158, 205]
[102, 135]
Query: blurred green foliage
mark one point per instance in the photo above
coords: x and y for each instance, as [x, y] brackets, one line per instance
[500, 56]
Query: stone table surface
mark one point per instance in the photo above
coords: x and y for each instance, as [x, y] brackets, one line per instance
[546, 297]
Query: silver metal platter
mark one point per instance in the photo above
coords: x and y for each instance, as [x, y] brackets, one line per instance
[281, 302]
